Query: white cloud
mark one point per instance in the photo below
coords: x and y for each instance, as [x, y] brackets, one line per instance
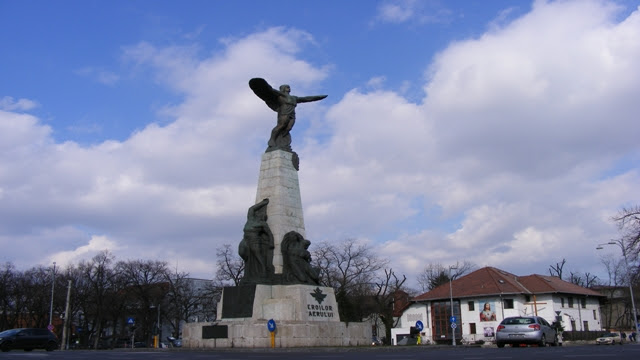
[8, 103]
[100, 75]
[397, 11]
[84, 252]
[403, 11]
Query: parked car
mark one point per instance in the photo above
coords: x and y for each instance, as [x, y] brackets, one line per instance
[174, 342]
[28, 339]
[525, 330]
[611, 338]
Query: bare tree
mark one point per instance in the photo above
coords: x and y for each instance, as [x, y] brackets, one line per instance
[230, 266]
[616, 271]
[34, 292]
[628, 222]
[587, 279]
[556, 270]
[146, 287]
[187, 298]
[387, 290]
[97, 280]
[350, 268]
[434, 275]
[7, 288]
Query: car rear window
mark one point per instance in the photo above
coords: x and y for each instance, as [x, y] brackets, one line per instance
[518, 321]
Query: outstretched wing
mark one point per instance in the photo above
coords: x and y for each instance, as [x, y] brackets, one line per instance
[265, 92]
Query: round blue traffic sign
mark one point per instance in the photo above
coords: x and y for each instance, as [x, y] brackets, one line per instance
[271, 325]
[419, 325]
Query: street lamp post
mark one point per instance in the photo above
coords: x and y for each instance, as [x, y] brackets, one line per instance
[626, 264]
[53, 284]
[159, 327]
[158, 330]
[453, 329]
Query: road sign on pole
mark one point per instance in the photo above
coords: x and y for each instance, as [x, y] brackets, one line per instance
[419, 325]
[271, 325]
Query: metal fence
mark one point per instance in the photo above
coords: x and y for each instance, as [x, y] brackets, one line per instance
[581, 335]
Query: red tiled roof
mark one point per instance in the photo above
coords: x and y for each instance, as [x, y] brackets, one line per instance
[540, 284]
[492, 281]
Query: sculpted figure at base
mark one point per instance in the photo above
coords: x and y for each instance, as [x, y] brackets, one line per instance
[296, 258]
[256, 247]
[284, 104]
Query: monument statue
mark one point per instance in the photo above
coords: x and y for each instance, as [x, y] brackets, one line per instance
[256, 247]
[297, 267]
[284, 104]
[279, 281]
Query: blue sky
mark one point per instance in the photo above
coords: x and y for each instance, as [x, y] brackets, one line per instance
[497, 132]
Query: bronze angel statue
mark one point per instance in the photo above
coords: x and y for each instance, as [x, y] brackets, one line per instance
[282, 102]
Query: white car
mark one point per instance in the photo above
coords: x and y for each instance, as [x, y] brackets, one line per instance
[611, 338]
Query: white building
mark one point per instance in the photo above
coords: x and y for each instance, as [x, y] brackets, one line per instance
[484, 297]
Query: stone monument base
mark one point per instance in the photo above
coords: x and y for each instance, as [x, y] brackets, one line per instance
[304, 315]
[288, 334]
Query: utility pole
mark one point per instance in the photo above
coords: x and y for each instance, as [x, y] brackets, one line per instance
[53, 285]
[65, 327]
[453, 322]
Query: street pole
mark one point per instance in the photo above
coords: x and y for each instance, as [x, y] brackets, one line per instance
[53, 284]
[67, 315]
[453, 329]
[159, 328]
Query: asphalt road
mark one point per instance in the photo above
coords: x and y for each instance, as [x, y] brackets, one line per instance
[590, 351]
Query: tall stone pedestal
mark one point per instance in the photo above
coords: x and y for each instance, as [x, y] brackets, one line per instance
[305, 315]
[278, 182]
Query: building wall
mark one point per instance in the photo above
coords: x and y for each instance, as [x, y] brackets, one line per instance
[474, 327]
[578, 315]
[415, 312]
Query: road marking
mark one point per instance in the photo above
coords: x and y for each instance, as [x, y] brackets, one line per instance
[589, 355]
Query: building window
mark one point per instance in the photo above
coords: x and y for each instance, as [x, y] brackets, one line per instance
[585, 325]
[472, 328]
[508, 303]
[583, 303]
[573, 325]
[570, 301]
[562, 302]
[471, 307]
[594, 315]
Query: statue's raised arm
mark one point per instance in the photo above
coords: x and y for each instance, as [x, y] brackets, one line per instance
[284, 104]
